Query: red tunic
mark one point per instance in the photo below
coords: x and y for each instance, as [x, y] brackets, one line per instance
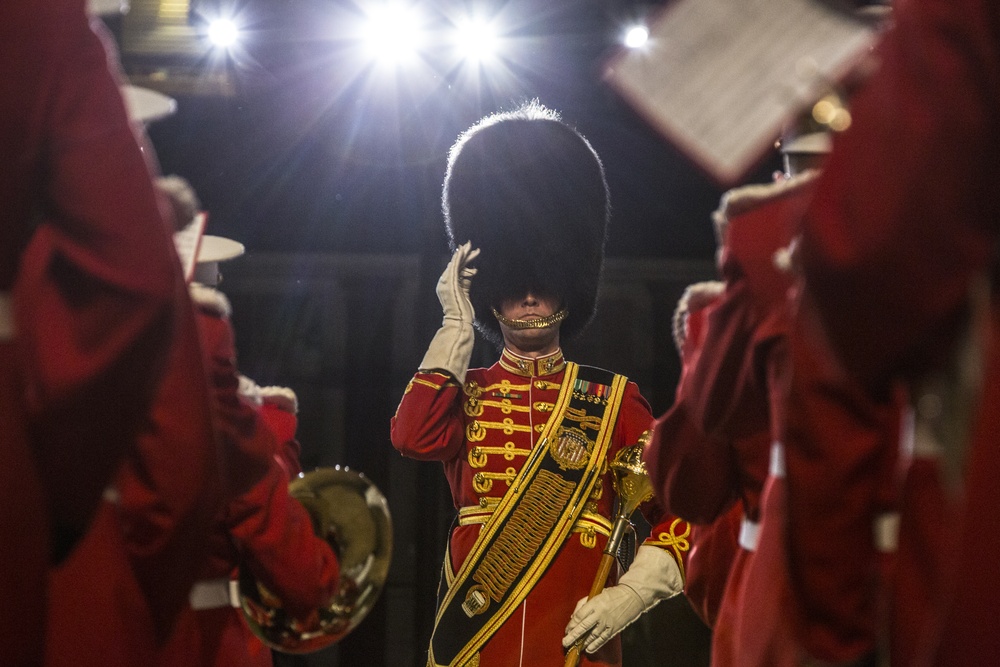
[714, 545]
[88, 268]
[118, 595]
[139, 559]
[482, 433]
[278, 410]
[713, 446]
[841, 451]
[889, 255]
[262, 527]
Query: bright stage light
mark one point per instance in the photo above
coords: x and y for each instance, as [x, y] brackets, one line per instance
[636, 36]
[476, 40]
[393, 33]
[223, 32]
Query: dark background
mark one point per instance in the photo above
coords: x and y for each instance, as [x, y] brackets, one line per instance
[330, 171]
[320, 150]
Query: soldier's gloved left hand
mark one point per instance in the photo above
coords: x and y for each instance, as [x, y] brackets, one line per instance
[654, 576]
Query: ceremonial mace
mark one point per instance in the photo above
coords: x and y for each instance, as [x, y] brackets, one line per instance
[632, 485]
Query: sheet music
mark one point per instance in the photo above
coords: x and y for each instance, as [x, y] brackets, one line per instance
[720, 78]
[187, 241]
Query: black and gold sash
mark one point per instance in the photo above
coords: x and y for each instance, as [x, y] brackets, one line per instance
[535, 516]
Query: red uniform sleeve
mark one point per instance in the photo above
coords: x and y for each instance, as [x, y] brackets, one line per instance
[888, 249]
[428, 423]
[99, 283]
[283, 424]
[246, 444]
[715, 379]
[276, 541]
[888, 254]
[691, 462]
[693, 476]
[840, 454]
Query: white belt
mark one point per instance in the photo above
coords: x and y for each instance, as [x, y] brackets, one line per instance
[6, 317]
[215, 593]
[749, 534]
[885, 528]
[776, 468]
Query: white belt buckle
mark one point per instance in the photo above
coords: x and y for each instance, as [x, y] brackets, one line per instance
[886, 529]
[214, 594]
[749, 534]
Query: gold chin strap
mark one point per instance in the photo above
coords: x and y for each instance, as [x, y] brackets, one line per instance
[540, 323]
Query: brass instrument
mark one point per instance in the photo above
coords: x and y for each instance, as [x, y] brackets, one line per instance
[352, 515]
[633, 487]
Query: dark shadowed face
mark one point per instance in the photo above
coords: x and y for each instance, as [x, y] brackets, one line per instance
[530, 342]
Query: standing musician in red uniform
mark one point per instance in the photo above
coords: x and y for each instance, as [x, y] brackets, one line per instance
[526, 443]
[900, 270]
[108, 598]
[261, 528]
[714, 545]
[92, 302]
[733, 415]
[712, 448]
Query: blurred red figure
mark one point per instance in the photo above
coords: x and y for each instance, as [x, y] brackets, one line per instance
[262, 528]
[116, 600]
[713, 546]
[899, 271]
[92, 302]
[716, 446]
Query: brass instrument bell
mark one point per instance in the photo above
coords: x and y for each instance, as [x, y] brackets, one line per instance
[352, 515]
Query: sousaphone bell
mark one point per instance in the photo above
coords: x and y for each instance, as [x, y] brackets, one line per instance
[352, 516]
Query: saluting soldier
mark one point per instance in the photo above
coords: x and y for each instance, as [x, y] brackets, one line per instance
[526, 442]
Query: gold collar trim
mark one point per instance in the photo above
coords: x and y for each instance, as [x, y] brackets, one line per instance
[526, 367]
[538, 323]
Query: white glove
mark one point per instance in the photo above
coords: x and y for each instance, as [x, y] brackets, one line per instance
[451, 348]
[654, 576]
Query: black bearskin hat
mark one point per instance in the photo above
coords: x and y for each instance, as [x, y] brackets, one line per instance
[529, 191]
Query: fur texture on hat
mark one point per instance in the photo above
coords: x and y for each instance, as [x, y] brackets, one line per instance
[250, 392]
[530, 192]
[696, 297]
[745, 198]
[210, 300]
[281, 397]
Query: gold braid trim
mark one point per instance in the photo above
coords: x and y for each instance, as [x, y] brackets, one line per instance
[677, 545]
[427, 383]
[475, 431]
[527, 528]
[540, 323]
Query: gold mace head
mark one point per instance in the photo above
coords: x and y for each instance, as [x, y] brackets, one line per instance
[630, 479]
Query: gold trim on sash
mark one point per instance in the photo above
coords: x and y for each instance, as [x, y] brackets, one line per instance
[589, 524]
